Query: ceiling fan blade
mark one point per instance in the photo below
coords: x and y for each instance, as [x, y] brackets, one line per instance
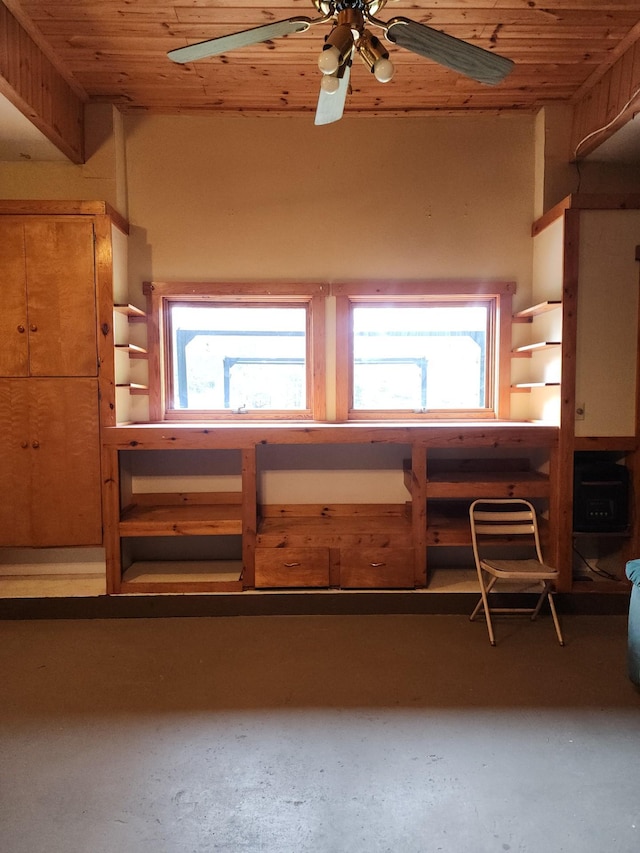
[469, 59]
[214, 47]
[331, 106]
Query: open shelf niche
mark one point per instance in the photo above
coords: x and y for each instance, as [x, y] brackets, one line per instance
[129, 325]
[181, 520]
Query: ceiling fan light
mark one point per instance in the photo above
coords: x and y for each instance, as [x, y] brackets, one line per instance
[375, 56]
[330, 84]
[383, 70]
[329, 60]
[337, 49]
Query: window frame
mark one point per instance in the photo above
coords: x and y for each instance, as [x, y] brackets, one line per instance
[162, 295]
[319, 359]
[466, 292]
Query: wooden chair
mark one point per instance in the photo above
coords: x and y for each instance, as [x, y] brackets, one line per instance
[509, 523]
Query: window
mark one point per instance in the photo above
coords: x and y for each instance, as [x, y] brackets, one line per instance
[421, 351]
[237, 351]
[405, 351]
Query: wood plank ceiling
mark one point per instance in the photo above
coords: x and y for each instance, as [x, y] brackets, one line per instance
[115, 51]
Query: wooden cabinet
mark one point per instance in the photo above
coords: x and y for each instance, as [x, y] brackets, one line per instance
[56, 369]
[50, 462]
[48, 321]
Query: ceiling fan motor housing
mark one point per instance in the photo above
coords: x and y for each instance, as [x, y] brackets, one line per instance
[332, 7]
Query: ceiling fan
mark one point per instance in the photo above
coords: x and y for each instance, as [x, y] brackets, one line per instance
[350, 35]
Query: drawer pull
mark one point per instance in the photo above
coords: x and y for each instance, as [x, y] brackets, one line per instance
[291, 565]
[377, 565]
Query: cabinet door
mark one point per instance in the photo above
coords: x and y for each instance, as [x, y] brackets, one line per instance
[14, 340]
[61, 297]
[66, 506]
[15, 476]
[49, 463]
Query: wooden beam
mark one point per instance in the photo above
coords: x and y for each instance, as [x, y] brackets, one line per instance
[610, 102]
[29, 80]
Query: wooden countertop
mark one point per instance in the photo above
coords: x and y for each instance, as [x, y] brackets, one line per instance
[246, 435]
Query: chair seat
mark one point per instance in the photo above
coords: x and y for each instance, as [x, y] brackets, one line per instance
[514, 569]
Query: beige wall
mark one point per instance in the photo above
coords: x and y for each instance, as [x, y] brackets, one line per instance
[247, 198]
[101, 178]
[233, 198]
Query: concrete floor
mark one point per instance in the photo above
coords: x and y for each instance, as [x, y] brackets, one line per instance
[285, 734]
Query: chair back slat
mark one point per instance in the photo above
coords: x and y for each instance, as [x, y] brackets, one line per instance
[480, 515]
[505, 529]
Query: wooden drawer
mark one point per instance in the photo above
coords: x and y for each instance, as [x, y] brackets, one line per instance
[290, 567]
[383, 568]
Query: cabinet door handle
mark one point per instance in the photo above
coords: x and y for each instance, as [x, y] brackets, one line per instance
[33, 327]
[376, 565]
[21, 329]
[291, 565]
[24, 444]
[35, 444]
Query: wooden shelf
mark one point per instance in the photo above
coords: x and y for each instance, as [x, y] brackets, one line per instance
[133, 387]
[450, 528]
[489, 484]
[134, 313]
[527, 315]
[133, 350]
[528, 350]
[183, 576]
[525, 387]
[353, 530]
[611, 443]
[181, 521]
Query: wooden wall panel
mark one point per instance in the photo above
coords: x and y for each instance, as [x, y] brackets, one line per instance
[29, 80]
[609, 104]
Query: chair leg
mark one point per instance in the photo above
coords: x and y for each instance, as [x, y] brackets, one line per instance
[484, 602]
[547, 594]
[556, 622]
[476, 609]
[543, 595]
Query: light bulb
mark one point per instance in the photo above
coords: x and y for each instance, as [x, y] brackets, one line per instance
[383, 70]
[329, 84]
[329, 60]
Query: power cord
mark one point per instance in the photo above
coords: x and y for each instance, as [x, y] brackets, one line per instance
[596, 571]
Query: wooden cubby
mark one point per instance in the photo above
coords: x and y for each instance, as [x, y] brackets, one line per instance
[600, 555]
[181, 541]
[448, 481]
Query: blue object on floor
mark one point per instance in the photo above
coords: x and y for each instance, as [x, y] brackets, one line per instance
[633, 654]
